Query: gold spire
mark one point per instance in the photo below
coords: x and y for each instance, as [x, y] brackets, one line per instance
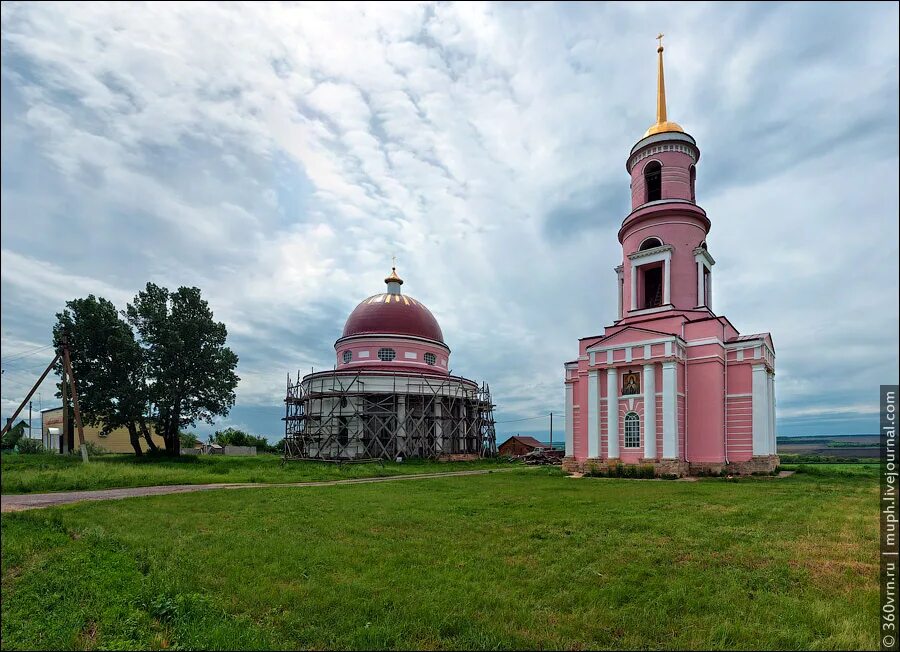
[662, 122]
[393, 278]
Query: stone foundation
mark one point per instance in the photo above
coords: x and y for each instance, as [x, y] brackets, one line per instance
[679, 468]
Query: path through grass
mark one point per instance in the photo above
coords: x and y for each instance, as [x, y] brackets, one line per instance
[41, 473]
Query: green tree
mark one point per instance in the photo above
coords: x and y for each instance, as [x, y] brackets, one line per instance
[108, 365]
[191, 371]
[236, 437]
[188, 439]
[13, 436]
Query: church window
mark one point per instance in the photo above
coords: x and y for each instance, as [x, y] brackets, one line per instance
[653, 180]
[430, 358]
[650, 243]
[632, 430]
[347, 356]
[386, 355]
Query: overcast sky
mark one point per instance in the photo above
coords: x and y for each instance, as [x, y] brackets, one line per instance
[277, 157]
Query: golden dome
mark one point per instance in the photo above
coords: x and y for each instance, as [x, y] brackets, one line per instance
[662, 124]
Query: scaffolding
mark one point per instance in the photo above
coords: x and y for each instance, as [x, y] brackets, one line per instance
[344, 417]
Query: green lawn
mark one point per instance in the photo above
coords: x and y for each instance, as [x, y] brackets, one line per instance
[525, 559]
[22, 474]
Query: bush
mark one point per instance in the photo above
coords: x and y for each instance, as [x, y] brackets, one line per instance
[28, 446]
[92, 449]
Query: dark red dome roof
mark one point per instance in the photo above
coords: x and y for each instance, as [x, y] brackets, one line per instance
[392, 314]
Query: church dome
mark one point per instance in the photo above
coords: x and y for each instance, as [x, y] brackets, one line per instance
[393, 313]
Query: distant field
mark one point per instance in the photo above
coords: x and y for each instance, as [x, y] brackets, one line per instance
[521, 560]
[41, 473]
[837, 446]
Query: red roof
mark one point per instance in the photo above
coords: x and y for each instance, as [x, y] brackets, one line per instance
[528, 441]
[393, 314]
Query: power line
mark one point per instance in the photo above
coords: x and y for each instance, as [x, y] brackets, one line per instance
[24, 354]
[543, 416]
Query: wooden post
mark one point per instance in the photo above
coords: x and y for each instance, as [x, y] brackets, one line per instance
[68, 365]
[30, 394]
[551, 430]
[65, 402]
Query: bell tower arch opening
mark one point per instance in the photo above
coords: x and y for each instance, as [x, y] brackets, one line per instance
[653, 181]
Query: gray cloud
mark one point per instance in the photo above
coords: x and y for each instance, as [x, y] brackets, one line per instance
[277, 156]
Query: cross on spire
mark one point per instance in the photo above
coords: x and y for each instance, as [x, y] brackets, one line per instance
[659, 37]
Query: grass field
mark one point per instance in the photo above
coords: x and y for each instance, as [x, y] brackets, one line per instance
[525, 559]
[23, 474]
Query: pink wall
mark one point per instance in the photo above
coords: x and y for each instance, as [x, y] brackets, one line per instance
[706, 411]
[675, 177]
[684, 231]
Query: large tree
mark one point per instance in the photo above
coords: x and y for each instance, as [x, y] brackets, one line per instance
[109, 369]
[191, 371]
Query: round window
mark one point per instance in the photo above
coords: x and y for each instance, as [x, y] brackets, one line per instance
[386, 355]
[430, 359]
[347, 356]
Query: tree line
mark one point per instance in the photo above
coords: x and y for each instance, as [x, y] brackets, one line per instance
[161, 363]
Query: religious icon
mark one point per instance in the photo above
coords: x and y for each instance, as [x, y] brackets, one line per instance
[631, 383]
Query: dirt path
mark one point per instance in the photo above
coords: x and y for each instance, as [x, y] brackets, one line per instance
[20, 502]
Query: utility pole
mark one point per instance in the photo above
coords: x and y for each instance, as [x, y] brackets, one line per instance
[551, 430]
[29, 419]
[62, 353]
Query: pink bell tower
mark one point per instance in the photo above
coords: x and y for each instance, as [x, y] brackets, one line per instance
[670, 383]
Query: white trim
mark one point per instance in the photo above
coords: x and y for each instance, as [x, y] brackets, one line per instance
[739, 355]
[609, 355]
[654, 255]
[593, 358]
[657, 254]
[773, 438]
[650, 411]
[593, 414]
[738, 395]
[362, 354]
[648, 352]
[612, 414]
[628, 350]
[610, 347]
[704, 342]
[570, 420]
[410, 355]
[668, 350]
[670, 411]
[648, 311]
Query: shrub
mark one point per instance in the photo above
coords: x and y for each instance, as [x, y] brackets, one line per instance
[28, 446]
[92, 449]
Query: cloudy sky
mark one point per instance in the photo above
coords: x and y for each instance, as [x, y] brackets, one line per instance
[277, 156]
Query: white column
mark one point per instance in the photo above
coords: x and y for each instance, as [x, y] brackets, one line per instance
[612, 414]
[709, 291]
[401, 425]
[699, 283]
[650, 411]
[438, 429]
[633, 286]
[760, 415]
[670, 410]
[773, 436]
[593, 413]
[667, 268]
[620, 287]
[570, 418]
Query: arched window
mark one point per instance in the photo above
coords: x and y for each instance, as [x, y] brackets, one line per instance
[632, 430]
[693, 182]
[650, 243]
[653, 180]
[386, 355]
[430, 358]
[347, 356]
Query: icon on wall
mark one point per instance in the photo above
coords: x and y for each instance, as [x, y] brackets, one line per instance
[631, 383]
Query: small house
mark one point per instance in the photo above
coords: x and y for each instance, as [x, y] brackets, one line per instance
[517, 445]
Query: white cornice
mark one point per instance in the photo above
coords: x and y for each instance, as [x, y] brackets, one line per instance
[660, 252]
